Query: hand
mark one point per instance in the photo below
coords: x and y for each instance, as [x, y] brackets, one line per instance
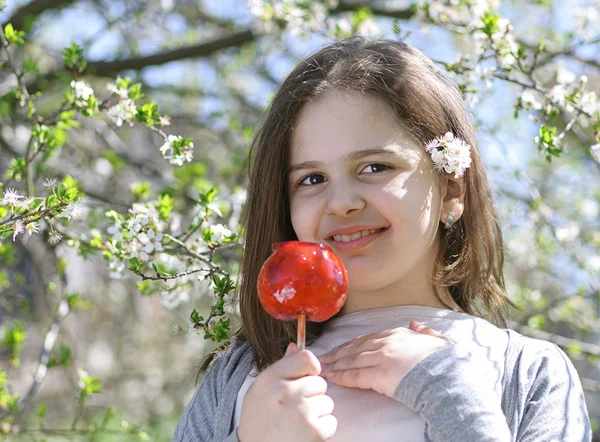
[287, 401]
[379, 361]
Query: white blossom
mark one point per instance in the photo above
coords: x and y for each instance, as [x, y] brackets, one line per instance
[116, 267]
[32, 227]
[123, 93]
[135, 249]
[529, 100]
[449, 154]
[176, 329]
[137, 222]
[49, 183]
[116, 230]
[567, 233]
[72, 211]
[219, 233]
[176, 156]
[11, 197]
[18, 228]
[54, 237]
[557, 94]
[81, 90]
[151, 241]
[226, 348]
[123, 112]
[589, 102]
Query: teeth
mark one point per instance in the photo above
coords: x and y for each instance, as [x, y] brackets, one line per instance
[346, 238]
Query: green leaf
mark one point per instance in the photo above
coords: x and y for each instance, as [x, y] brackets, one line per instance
[88, 384]
[78, 302]
[13, 36]
[65, 356]
[113, 215]
[165, 206]
[35, 203]
[537, 322]
[141, 190]
[122, 83]
[41, 410]
[114, 159]
[14, 338]
[195, 317]
[208, 197]
[490, 23]
[221, 329]
[135, 92]
[145, 287]
[30, 66]
[73, 59]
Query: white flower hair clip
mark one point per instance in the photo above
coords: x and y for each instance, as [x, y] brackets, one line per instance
[449, 154]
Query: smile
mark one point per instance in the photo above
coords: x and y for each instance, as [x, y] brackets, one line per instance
[348, 238]
[356, 241]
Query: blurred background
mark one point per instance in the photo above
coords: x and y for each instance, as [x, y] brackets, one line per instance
[211, 67]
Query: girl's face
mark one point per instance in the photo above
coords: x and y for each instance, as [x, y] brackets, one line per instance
[354, 168]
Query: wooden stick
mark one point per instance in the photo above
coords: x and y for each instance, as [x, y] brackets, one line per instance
[301, 339]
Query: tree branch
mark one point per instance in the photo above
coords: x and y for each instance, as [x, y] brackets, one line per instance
[50, 339]
[33, 9]
[402, 14]
[562, 341]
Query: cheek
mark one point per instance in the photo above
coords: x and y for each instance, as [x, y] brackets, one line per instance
[301, 219]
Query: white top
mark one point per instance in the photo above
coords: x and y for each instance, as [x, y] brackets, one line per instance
[365, 415]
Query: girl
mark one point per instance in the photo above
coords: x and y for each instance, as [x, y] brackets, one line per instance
[368, 148]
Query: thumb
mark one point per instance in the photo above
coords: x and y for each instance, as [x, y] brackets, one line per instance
[291, 349]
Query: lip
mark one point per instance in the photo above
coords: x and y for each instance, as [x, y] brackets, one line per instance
[352, 229]
[355, 244]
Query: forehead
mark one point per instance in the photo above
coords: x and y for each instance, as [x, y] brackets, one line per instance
[341, 122]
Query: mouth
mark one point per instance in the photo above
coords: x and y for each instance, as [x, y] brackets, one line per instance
[357, 240]
[356, 235]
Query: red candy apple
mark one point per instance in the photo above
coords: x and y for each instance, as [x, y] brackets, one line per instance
[302, 278]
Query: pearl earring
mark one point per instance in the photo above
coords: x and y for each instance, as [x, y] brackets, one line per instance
[449, 221]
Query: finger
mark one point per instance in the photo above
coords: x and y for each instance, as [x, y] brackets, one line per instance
[309, 386]
[292, 366]
[351, 348]
[360, 360]
[319, 406]
[355, 378]
[326, 426]
[424, 329]
[291, 349]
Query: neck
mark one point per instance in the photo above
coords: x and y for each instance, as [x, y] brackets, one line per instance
[411, 293]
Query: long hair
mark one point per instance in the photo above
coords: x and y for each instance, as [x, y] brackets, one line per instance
[470, 258]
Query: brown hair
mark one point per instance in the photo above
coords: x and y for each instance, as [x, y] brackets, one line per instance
[470, 258]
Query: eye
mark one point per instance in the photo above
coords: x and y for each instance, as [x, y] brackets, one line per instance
[376, 168]
[312, 180]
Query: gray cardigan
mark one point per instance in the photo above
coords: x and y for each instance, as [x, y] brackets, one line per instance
[542, 398]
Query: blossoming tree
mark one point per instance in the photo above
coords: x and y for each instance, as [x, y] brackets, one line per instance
[103, 193]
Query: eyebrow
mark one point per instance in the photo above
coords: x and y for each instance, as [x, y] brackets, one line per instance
[352, 156]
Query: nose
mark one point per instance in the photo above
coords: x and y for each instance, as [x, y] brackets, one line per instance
[344, 200]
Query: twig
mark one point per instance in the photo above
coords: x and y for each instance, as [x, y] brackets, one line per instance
[49, 341]
[28, 216]
[562, 341]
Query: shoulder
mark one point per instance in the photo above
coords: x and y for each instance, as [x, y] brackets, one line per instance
[234, 363]
[539, 368]
[543, 395]
[528, 352]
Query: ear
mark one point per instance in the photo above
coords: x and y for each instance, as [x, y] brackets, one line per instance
[453, 198]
